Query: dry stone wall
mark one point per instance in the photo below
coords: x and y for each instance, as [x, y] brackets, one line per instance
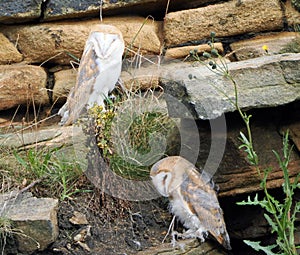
[39, 39]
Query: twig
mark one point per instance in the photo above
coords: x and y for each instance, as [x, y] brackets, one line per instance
[29, 186]
[169, 230]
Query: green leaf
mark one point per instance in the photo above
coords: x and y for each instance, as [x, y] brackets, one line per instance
[248, 147]
[263, 203]
[271, 223]
[20, 160]
[256, 246]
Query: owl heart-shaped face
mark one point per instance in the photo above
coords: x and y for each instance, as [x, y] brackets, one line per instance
[106, 45]
[161, 182]
[192, 198]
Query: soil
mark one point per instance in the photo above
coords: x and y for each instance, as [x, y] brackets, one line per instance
[116, 227]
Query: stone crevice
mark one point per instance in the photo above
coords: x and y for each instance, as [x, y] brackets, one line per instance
[44, 5]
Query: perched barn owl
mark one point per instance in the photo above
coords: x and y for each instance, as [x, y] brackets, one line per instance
[192, 198]
[98, 72]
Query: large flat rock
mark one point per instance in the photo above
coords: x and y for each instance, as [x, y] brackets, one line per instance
[262, 82]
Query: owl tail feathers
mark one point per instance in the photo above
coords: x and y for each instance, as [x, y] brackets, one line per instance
[223, 239]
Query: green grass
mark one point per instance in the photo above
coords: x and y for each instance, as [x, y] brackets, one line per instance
[43, 168]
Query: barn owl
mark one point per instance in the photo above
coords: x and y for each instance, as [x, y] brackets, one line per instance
[98, 72]
[192, 198]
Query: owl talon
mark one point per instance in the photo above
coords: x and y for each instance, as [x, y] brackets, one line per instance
[174, 241]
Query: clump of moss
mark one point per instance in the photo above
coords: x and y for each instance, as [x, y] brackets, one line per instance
[127, 135]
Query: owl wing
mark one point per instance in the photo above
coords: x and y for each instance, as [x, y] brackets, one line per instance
[203, 202]
[87, 72]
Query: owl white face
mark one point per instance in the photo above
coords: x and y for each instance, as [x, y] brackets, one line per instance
[161, 181]
[106, 45]
[168, 174]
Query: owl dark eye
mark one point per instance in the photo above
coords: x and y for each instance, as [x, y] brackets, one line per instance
[164, 179]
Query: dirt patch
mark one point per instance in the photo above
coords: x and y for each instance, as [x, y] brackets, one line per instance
[114, 226]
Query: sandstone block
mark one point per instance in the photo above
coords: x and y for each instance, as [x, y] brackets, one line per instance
[182, 52]
[55, 42]
[22, 84]
[142, 78]
[35, 217]
[226, 19]
[252, 48]
[63, 81]
[20, 11]
[8, 52]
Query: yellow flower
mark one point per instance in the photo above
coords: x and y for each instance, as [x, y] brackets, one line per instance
[265, 48]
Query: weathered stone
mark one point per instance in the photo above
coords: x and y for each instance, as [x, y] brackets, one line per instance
[141, 78]
[64, 80]
[253, 48]
[54, 42]
[63, 9]
[291, 14]
[8, 52]
[185, 247]
[182, 52]
[226, 19]
[246, 180]
[32, 137]
[35, 219]
[20, 11]
[262, 82]
[22, 84]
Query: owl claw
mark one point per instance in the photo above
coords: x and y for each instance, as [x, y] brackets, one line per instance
[174, 241]
[174, 234]
[189, 234]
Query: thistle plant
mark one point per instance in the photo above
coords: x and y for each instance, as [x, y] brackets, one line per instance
[280, 215]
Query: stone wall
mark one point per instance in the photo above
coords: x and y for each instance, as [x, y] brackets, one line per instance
[40, 39]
